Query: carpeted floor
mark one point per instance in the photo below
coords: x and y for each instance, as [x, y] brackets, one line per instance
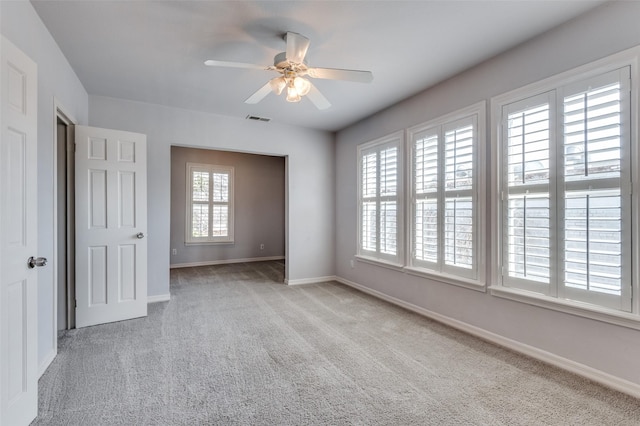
[234, 346]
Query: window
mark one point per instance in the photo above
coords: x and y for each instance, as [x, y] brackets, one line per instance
[380, 208]
[209, 204]
[445, 209]
[565, 191]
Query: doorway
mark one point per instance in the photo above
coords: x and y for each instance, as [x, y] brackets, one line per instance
[259, 208]
[65, 222]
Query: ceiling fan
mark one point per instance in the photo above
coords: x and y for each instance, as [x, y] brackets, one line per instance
[293, 68]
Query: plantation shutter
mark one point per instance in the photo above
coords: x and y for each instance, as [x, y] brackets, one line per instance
[199, 203]
[444, 197]
[379, 181]
[220, 216]
[210, 203]
[459, 233]
[566, 194]
[389, 200]
[369, 212]
[593, 242]
[425, 180]
[527, 208]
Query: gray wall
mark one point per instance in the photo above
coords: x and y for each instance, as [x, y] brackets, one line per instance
[56, 79]
[310, 177]
[259, 206]
[609, 348]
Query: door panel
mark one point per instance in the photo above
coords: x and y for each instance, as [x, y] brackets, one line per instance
[97, 276]
[97, 199]
[16, 300]
[18, 237]
[111, 220]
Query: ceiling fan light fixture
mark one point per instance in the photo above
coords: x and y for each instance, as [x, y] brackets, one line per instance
[302, 85]
[292, 94]
[278, 84]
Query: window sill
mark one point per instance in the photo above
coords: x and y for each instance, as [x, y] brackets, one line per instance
[585, 310]
[446, 278]
[425, 273]
[380, 262]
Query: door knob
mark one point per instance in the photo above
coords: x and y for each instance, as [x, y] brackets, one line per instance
[140, 235]
[36, 261]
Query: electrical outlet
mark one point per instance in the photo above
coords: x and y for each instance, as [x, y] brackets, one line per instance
[352, 264]
[262, 246]
[174, 251]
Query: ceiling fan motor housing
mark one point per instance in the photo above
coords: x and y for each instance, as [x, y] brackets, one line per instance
[280, 61]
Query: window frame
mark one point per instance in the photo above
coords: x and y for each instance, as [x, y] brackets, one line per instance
[558, 83]
[396, 140]
[210, 169]
[475, 278]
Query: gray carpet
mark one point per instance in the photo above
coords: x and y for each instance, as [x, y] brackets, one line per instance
[234, 346]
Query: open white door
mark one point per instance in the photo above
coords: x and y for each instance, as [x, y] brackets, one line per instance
[111, 225]
[18, 238]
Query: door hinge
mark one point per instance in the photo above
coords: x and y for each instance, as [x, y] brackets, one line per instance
[75, 303]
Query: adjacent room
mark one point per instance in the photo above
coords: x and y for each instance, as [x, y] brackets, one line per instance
[247, 206]
[320, 212]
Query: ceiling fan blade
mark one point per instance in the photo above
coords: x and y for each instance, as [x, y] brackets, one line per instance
[338, 74]
[227, 64]
[317, 98]
[260, 94]
[297, 46]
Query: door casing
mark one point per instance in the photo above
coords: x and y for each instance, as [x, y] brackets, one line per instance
[67, 187]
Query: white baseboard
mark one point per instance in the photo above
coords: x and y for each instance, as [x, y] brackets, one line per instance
[590, 373]
[159, 298]
[225, 262]
[310, 280]
[46, 362]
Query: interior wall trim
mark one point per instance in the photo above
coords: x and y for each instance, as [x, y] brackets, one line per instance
[313, 280]
[601, 377]
[159, 298]
[225, 261]
[46, 362]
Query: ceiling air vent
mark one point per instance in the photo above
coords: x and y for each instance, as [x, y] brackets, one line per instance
[256, 118]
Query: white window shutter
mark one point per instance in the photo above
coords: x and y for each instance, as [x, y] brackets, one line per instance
[209, 204]
[444, 194]
[566, 220]
[380, 211]
[425, 196]
[593, 240]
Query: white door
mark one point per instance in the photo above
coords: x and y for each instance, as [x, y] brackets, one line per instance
[18, 238]
[111, 225]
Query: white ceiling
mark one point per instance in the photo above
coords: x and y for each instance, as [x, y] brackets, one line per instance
[153, 51]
